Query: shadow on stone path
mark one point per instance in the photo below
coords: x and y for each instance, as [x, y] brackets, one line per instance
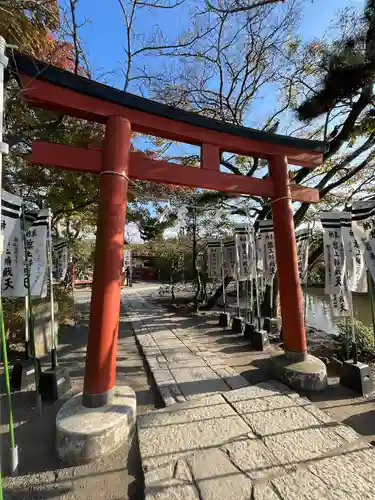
[340, 403]
[118, 476]
[260, 441]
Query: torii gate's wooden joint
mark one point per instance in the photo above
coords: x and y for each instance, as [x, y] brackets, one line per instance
[63, 92]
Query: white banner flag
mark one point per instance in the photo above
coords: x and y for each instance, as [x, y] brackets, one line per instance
[229, 252]
[36, 253]
[268, 246]
[259, 252]
[302, 242]
[12, 258]
[334, 256]
[242, 253]
[252, 255]
[214, 260]
[339, 255]
[354, 260]
[363, 224]
[341, 303]
[14, 276]
[127, 258]
[60, 261]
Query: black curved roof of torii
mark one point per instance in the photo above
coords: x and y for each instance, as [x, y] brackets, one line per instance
[33, 68]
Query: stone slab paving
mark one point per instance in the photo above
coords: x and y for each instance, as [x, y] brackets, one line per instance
[259, 442]
[182, 371]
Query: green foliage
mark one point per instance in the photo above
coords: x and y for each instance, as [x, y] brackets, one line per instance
[150, 227]
[83, 251]
[167, 256]
[364, 337]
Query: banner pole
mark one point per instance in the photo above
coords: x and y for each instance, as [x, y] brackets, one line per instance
[354, 340]
[54, 362]
[13, 447]
[27, 328]
[73, 290]
[251, 242]
[247, 300]
[31, 317]
[223, 275]
[251, 253]
[256, 282]
[237, 275]
[306, 277]
[370, 291]
[4, 150]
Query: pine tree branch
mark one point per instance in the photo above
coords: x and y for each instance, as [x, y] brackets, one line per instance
[230, 166]
[348, 125]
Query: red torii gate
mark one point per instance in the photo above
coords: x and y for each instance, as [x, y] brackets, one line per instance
[63, 92]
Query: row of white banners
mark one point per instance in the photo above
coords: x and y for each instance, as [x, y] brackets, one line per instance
[15, 255]
[349, 250]
[248, 255]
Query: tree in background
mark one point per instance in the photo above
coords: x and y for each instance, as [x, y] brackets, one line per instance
[150, 227]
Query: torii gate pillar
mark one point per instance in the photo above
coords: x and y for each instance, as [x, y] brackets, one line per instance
[100, 369]
[295, 366]
[287, 266]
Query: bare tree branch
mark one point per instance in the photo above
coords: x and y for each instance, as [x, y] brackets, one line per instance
[244, 8]
[158, 5]
[351, 173]
[73, 4]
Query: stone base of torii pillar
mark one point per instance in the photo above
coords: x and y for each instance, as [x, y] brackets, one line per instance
[306, 373]
[86, 434]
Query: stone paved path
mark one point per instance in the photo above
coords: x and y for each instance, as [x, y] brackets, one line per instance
[221, 438]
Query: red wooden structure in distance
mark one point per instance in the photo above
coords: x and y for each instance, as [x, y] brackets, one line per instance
[63, 92]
